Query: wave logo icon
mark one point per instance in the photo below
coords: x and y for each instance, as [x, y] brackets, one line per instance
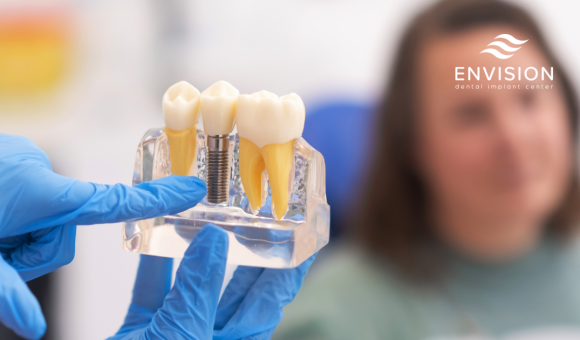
[504, 46]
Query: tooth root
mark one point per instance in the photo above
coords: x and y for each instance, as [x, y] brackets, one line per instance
[278, 159]
[182, 146]
[251, 166]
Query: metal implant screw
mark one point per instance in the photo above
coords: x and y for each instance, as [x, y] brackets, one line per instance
[218, 169]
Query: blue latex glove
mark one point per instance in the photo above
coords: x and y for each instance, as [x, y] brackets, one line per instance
[19, 309]
[250, 308]
[39, 211]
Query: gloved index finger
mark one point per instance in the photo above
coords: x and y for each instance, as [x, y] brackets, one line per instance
[116, 203]
[42, 199]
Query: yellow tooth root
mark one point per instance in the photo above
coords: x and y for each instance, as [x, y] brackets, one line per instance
[182, 146]
[251, 166]
[278, 159]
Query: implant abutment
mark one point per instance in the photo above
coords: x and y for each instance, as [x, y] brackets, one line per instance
[218, 169]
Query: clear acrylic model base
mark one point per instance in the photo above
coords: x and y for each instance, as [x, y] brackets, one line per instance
[255, 237]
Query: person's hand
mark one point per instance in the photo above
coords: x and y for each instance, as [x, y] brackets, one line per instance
[39, 211]
[19, 309]
[250, 307]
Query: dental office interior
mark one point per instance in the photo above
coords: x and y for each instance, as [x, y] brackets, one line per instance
[86, 81]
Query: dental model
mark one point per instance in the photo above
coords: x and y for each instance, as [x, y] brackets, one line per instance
[268, 125]
[218, 109]
[181, 114]
[266, 186]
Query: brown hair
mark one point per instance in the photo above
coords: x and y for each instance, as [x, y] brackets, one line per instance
[391, 219]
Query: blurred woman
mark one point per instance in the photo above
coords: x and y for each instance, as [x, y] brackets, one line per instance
[466, 226]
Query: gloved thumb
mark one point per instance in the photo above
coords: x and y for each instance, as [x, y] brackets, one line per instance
[19, 309]
[191, 305]
[252, 303]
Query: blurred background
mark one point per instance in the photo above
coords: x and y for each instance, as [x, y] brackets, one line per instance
[84, 80]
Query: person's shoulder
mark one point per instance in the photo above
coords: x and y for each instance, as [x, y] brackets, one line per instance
[568, 251]
[344, 267]
[344, 292]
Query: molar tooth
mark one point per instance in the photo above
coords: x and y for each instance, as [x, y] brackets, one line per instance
[181, 114]
[268, 126]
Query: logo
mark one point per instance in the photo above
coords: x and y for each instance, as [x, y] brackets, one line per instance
[504, 46]
[506, 73]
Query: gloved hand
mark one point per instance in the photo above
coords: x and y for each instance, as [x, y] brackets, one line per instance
[39, 211]
[19, 309]
[250, 307]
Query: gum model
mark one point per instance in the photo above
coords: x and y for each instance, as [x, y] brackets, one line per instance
[266, 184]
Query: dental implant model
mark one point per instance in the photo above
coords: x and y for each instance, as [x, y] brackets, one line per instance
[268, 125]
[181, 114]
[218, 109]
[266, 186]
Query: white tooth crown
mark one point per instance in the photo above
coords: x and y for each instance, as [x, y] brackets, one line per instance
[264, 118]
[218, 108]
[181, 106]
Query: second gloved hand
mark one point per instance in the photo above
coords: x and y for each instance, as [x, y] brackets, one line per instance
[250, 308]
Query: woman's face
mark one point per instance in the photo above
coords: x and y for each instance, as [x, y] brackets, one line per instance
[496, 162]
